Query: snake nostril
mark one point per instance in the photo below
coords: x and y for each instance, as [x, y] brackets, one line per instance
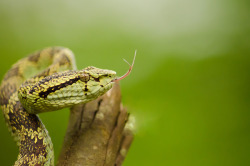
[97, 79]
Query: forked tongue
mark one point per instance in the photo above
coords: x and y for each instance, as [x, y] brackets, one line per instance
[128, 72]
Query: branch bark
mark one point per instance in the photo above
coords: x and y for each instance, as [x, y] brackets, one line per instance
[96, 133]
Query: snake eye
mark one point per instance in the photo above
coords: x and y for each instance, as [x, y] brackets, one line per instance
[84, 77]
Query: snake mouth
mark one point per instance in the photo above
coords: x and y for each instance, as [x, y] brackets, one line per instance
[109, 85]
[102, 89]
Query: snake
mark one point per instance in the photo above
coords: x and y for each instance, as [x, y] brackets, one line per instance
[46, 80]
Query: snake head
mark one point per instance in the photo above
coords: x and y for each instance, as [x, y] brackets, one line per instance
[97, 81]
[68, 88]
[65, 89]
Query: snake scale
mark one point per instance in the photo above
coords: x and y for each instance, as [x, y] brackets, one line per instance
[46, 80]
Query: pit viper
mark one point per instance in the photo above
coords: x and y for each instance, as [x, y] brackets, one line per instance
[46, 80]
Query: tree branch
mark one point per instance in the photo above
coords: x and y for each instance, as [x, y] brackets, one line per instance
[96, 133]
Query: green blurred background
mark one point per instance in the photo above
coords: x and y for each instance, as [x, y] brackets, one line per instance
[189, 90]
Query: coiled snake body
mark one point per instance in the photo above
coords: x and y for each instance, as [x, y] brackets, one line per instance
[45, 81]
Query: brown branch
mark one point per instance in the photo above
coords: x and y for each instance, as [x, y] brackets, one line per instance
[96, 133]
